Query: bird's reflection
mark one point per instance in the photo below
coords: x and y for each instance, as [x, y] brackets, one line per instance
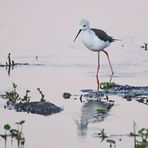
[90, 114]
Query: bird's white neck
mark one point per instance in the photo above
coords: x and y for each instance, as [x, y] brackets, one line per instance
[87, 38]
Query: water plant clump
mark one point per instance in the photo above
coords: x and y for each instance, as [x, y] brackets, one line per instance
[26, 98]
[107, 85]
[111, 142]
[66, 95]
[42, 95]
[140, 137]
[13, 95]
[102, 135]
[103, 111]
[24, 104]
[14, 134]
[143, 142]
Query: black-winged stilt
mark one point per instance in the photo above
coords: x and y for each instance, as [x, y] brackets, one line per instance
[95, 40]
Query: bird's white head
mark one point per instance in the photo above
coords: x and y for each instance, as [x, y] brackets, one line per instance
[85, 25]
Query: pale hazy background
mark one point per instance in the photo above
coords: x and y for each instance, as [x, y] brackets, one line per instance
[47, 26]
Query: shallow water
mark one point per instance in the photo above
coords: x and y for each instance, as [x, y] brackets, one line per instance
[74, 127]
[35, 28]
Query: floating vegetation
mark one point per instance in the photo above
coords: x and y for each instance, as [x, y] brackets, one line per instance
[102, 110]
[107, 85]
[111, 142]
[14, 97]
[102, 135]
[23, 104]
[140, 137]
[143, 143]
[66, 95]
[26, 98]
[7, 127]
[14, 133]
[42, 95]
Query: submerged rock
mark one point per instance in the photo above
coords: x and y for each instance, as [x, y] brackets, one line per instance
[130, 92]
[139, 93]
[42, 108]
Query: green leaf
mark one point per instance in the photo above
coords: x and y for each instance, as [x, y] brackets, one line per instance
[111, 141]
[66, 95]
[143, 132]
[22, 141]
[102, 110]
[7, 127]
[22, 122]
[107, 85]
[142, 145]
[14, 85]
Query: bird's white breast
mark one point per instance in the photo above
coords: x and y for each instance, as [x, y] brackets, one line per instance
[92, 42]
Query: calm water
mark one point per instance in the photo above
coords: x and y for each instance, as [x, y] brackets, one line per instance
[35, 27]
[72, 71]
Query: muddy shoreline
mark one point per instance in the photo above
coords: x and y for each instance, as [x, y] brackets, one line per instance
[138, 93]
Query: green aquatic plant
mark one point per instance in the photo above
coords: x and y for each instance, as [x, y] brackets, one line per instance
[17, 134]
[20, 125]
[140, 137]
[42, 95]
[143, 143]
[102, 135]
[7, 127]
[66, 95]
[143, 133]
[26, 98]
[107, 85]
[102, 110]
[111, 142]
[14, 86]
[20, 138]
[13, 95]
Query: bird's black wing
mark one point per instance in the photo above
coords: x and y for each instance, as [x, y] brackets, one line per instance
[102, 35]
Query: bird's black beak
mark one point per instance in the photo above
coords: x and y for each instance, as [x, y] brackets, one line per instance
[77, 34]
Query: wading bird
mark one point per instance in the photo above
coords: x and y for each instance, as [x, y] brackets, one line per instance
[96, 40]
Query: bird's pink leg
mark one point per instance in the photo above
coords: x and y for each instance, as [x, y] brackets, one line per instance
[98, 68]
[109, 61]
